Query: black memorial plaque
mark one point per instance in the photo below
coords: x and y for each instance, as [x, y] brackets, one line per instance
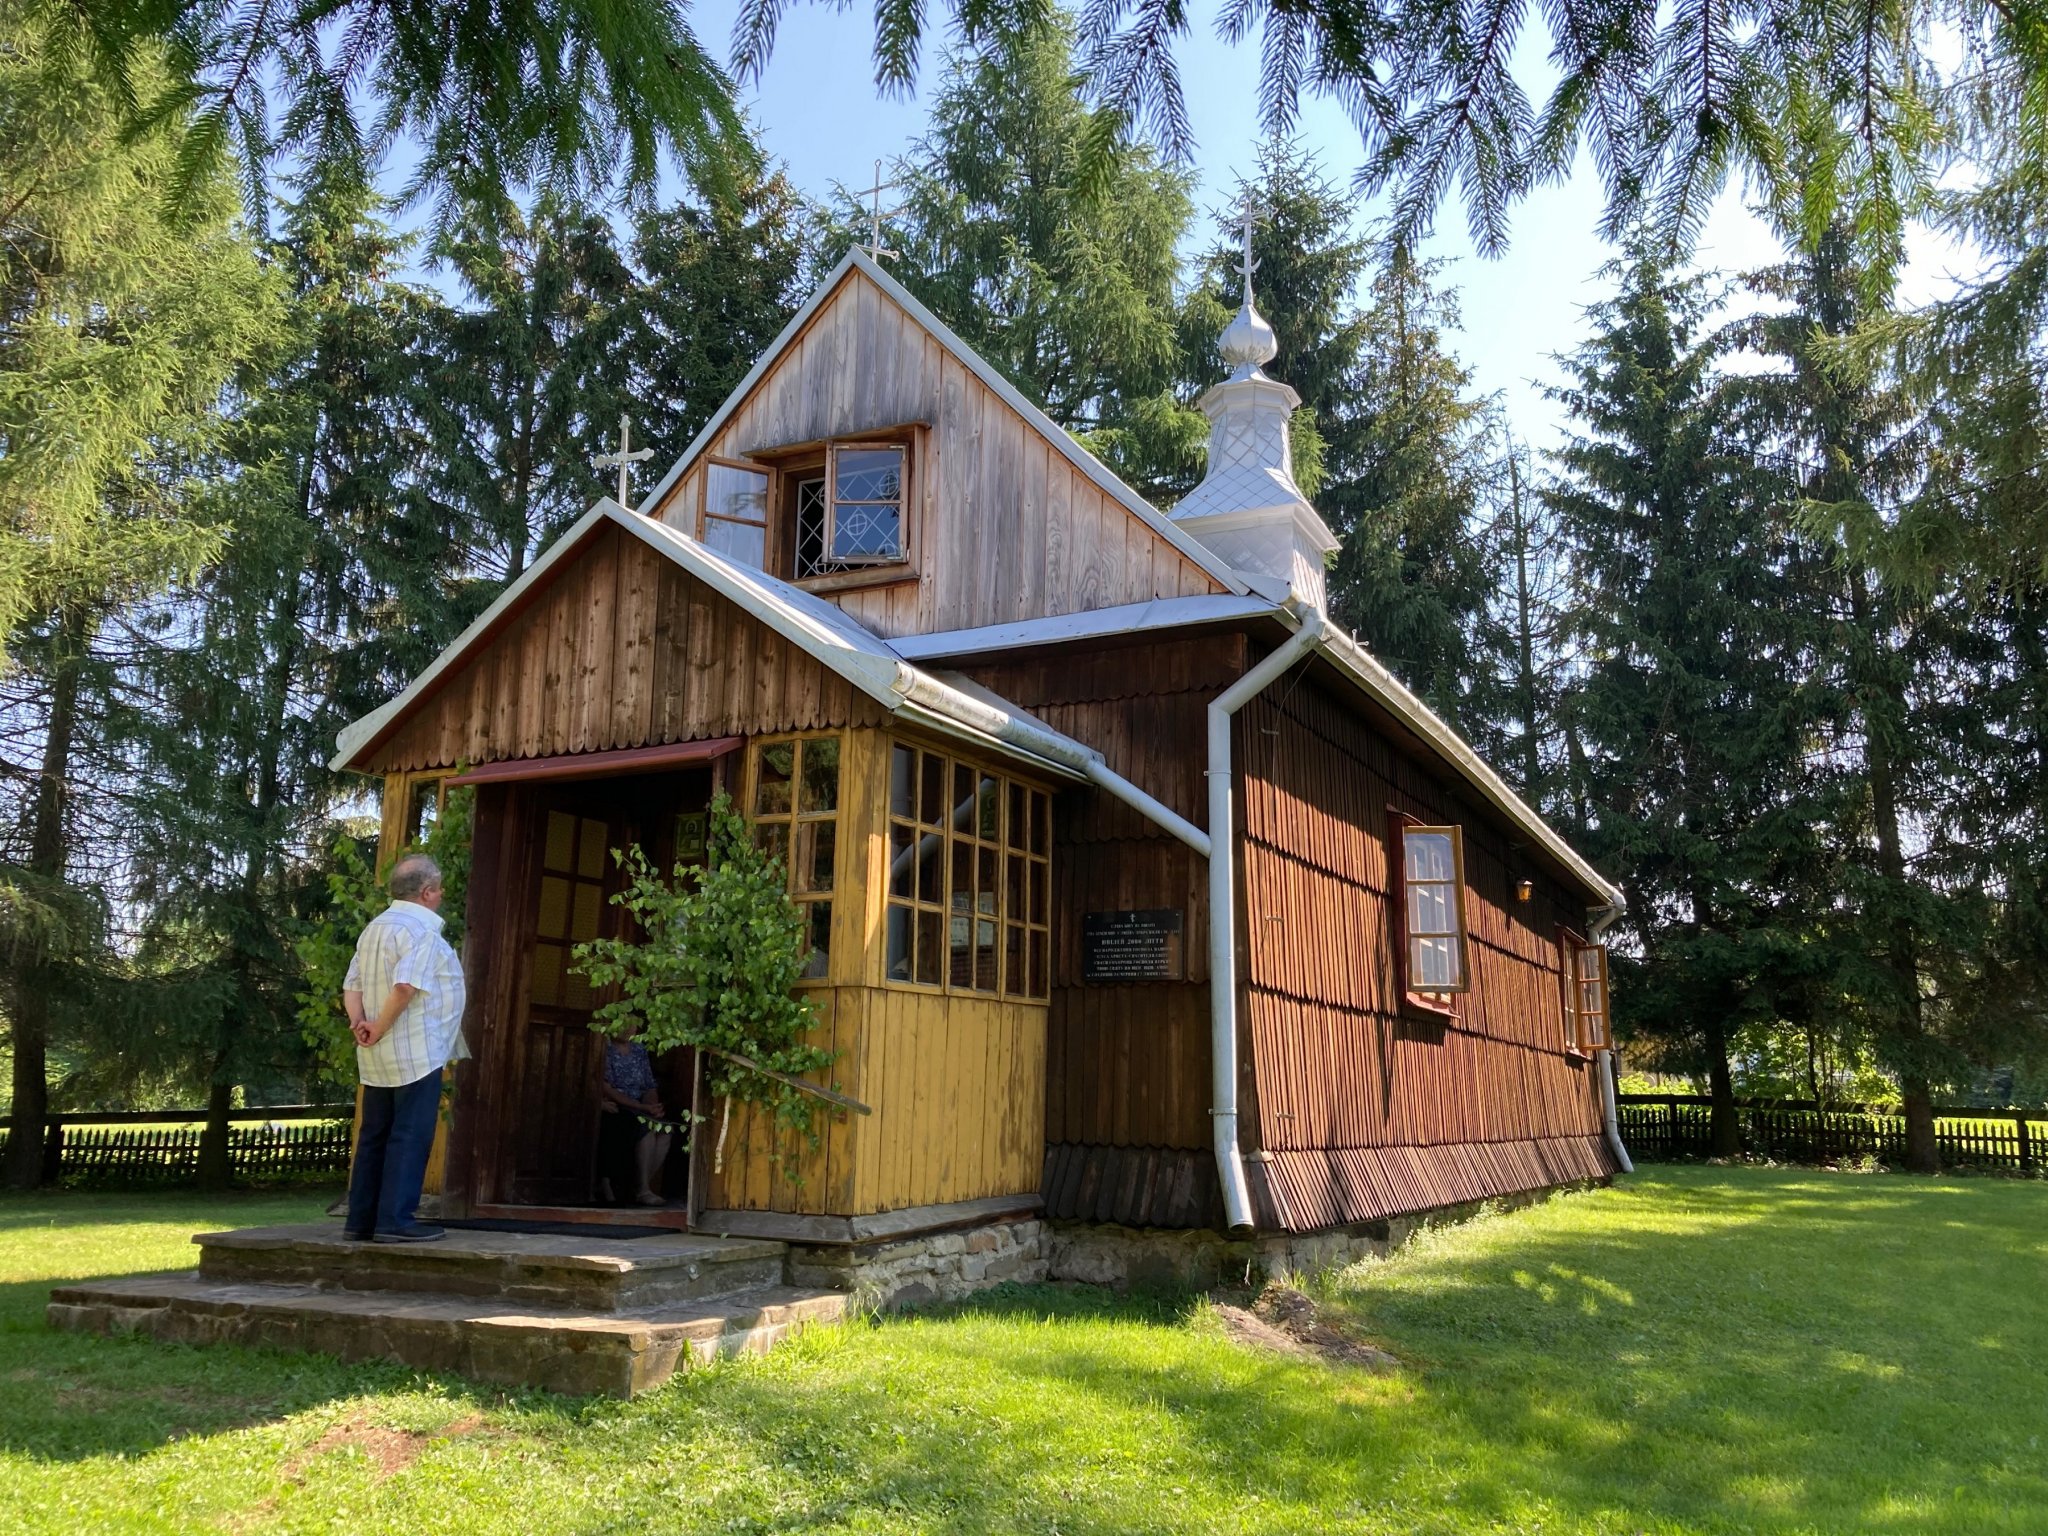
[1131, 946]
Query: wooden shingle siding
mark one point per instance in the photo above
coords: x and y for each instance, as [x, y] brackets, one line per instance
[620, 649]
[1011, 528]
[1368, 1108]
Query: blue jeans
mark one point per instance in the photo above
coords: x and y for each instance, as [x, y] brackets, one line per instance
[391, 1155]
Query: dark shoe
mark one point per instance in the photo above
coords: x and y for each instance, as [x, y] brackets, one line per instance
[356, 1237]
[416, 1233]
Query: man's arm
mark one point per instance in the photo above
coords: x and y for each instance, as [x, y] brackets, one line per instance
[352, 1005]
[395, 1001]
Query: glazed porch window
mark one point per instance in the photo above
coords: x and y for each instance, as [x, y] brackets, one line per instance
[794, 806]
[1585, 991]
[848, 513]
[1430, 899]
[970, 863]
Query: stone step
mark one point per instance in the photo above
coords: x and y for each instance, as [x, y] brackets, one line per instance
[617, 1353]
[587, 1272]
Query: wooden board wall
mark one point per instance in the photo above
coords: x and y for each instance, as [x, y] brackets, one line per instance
[620, 649]
[1438, 1112]
[1127, 1066]
[1011, 528]
[957, 1089]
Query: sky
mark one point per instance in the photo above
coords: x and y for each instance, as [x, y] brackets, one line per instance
[817, 110]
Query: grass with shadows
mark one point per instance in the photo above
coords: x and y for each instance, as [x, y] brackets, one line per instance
[1699, 1350]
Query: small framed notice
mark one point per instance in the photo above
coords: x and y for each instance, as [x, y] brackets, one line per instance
[1132, 946]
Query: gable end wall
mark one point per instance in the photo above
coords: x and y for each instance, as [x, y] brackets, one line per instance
[1011, 528]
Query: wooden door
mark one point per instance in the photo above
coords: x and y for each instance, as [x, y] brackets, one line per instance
[552, 1133]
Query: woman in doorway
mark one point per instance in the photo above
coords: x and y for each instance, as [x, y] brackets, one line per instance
[636, 1133]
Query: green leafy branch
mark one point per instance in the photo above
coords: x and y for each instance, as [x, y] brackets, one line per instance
[714, 966]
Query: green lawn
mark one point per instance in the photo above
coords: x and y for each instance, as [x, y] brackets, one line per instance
[1702, 1349]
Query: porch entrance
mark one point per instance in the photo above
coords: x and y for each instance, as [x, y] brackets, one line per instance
[535, 1128]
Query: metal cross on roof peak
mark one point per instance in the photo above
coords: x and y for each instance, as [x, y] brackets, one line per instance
[873, 194]
[1247, 211]
[625, 459]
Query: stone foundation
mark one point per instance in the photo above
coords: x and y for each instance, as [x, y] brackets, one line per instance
[1098, 1254]
[933, 1266]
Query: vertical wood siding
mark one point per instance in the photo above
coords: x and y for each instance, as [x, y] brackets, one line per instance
[1011, 529]
[1127, 1066]
[1366, 1108]
[620, 649]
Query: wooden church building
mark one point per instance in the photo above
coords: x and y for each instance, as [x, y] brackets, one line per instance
[1139, 893]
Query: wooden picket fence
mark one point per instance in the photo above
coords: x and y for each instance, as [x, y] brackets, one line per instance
[159, 1149]
[1674, 1127]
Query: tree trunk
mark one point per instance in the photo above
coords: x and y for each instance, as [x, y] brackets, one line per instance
[1881, 738]
[29, 978]
[1724, 1127]
[216, 1167]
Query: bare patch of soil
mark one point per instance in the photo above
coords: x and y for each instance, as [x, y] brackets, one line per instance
[390, 1451]
[1286, 1321]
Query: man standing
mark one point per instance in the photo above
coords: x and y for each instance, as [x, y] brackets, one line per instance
[404, 966]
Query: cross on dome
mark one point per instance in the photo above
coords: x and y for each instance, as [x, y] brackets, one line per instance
[1248, 341]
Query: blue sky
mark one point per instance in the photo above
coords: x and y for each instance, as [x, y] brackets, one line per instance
[818, 110]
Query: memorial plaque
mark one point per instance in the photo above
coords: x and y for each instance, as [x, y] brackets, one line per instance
[1132, 946]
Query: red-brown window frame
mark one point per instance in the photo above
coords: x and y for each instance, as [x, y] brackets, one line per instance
[784, 465]
[1570, 946]
[1437, 1002]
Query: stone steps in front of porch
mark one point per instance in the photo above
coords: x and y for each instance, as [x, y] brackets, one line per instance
[482, 1336]
[589, 1271]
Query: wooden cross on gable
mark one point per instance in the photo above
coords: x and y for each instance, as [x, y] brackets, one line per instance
[625, 459]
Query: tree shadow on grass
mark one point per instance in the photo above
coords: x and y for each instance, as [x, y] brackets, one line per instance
[1753, 1354]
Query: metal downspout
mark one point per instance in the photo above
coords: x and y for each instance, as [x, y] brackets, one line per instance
[1237, 1204]
[1608, 1091]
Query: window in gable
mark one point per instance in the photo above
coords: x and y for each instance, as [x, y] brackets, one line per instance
[848, 515]
[1429, 903]
[736, 512]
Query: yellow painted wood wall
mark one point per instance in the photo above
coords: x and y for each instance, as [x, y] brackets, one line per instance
[956, 1081]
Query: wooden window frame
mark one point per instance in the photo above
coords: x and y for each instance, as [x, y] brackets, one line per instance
[795, 819]
[1437, 1002]
[1008, 844]
[786, 465]
[705, 516]
[1571, 947]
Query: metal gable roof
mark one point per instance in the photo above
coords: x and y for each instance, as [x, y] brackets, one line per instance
[810, 623]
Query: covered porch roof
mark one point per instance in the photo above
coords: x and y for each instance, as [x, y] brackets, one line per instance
[870, 664]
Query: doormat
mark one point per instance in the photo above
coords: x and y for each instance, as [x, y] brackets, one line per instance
[556, 1228]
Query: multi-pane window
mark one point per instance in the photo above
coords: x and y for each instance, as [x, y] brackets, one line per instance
[1431, 897]
[849, 515]
[736, 512]
[970, 865]
[795, 811]
[570, 908]
[1585, 993]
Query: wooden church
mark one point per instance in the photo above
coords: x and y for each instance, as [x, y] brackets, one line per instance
[1139, 893]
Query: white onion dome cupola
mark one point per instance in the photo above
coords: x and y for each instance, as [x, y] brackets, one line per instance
[1248, 510]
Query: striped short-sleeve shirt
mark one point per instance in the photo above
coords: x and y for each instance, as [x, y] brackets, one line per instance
[403, 943]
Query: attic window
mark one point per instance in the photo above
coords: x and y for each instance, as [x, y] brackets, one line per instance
[847, 514]
[736, 512]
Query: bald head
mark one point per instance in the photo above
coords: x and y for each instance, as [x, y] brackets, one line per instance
[414, 878]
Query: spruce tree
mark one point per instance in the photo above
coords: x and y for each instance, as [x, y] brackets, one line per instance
[119, 327]
[1411, 578]
[1064, 283]
[1693, 706]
